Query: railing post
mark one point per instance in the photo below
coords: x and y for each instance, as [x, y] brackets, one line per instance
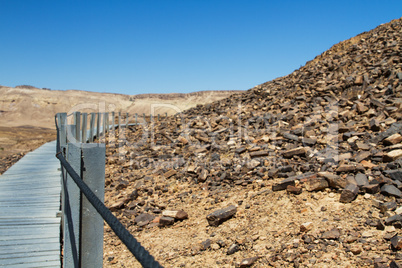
[93, 174]
[98, 126]
[62, 121]
[107, 123]
[84, 127]
[113, 121]
[77, 123]
[119, 122]
[144, 118]
[136, 119]
[71, 209]
[104, 125]
[127, 118]
[92, 127]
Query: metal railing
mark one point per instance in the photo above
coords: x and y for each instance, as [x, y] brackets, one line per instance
[83, 180]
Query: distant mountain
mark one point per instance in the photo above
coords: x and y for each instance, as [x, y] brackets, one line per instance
[28, 105]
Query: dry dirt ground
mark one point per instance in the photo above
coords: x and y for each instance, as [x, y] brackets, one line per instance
[15, 142]
[312, 229]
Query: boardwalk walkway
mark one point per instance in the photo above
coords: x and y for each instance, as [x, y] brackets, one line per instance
[29, 203]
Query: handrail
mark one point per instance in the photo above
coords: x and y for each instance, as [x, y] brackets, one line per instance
[139, 252]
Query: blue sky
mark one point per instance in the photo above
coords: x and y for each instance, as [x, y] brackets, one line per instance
[165, 46]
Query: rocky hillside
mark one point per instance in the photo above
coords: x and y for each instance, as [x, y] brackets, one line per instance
[301, 171]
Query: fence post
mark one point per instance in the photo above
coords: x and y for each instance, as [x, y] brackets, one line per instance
[119, 122]
[91, 127]
[98, 126]
[113, 119]
[127, 120]
[93, 174]
[136, 119]
[104, 125]
[71, 212]
[84, 127]
[77, 123]
[62, 120]
[107, 123]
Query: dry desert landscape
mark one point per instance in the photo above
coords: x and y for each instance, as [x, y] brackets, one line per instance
[301, 171]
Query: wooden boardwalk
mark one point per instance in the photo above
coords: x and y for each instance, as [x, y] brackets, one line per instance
[29, 204]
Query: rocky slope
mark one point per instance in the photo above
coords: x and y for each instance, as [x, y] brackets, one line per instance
[301, 171]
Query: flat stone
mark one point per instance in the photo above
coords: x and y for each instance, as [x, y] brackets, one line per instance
[284, 184]
[165, 221]
[349, 168]
[363, 155]
[290, 137]
[371, 188]
[259, 154]
[219, 216]
[331, 234]
[394, 128]
[240, 150]
[176, 214]
[169, 173]
[391, 220]
[393, 139]
[393, 155]
[295, 151]
[144, 218]
[294, 190]
[361, 180]
[349, 193]
[396, 242]
[391, 190]
[394, 174]
[334, 180]
[316, 184]
[248, 262]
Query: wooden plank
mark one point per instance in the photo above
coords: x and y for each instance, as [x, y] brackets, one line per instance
[29, 203]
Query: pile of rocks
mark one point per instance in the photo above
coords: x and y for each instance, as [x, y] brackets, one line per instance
[332, 127]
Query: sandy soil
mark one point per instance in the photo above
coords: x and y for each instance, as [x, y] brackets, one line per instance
[15, 142]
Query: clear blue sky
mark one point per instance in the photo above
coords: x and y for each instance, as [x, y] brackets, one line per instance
[164, 46]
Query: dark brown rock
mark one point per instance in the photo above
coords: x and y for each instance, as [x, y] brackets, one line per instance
[349, 193]
[165, 221]
[295, 151]
[284, 184]
[316, 184]
[396, 242]
[293, 189]
[334, 180]
[259, 154]
[219, 216]
[144, 218]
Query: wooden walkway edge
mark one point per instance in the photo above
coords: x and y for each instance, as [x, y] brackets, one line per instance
[29, 208]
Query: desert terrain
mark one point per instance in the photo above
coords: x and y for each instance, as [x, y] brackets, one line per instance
[302, 171]
[27, 113]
